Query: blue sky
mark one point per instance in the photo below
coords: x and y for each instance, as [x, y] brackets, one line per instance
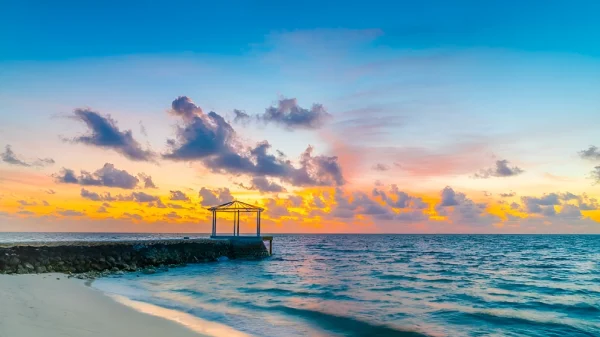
[433, 90]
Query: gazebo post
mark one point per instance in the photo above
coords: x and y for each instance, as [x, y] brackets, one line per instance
[233, 224]
[238, 223]
[258, 223]
[214, 223]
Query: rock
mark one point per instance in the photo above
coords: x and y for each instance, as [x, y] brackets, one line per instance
[14, 261]
[149, 271]
[40, 269]
[29, 267]
[222, 258]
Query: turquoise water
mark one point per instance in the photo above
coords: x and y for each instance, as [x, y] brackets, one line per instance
[391, 285]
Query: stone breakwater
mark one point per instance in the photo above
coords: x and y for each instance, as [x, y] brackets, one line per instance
[110, 257]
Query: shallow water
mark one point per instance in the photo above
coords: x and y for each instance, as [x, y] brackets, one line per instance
[391, 285]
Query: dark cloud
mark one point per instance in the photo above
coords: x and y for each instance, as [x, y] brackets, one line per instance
[214, 197]
[172, 215]
[592, 153]
[569, 212]
[290, 115]
[380, 167]
[202, 135]
[361, 204]
[318, 202]
[24, 212]
[534, 204]
[589, 204]
[108, 176]
[464, 211]
[178, 196]
[9, 157]
[96, 196]
[275, 210]
[184, 107]
[296, 200]
[210, 139]
[501, 170]
[128, 215]
[45, 203]
[50, 191]
[104, 133]
[264, 185]
[26, 203]
[157, 203]
[241, 117]
[70, 213]
[143, 197]
[399, 199]
[595, 175]
[515, 206]
[143, 130]
[449, 197]
[148, 183]
[101, 209]
[507, 195]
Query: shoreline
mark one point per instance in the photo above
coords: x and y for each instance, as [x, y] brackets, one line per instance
[53, 305]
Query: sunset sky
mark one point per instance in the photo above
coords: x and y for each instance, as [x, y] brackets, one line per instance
[352, 117]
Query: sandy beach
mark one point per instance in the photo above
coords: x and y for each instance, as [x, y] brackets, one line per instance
[51, 305]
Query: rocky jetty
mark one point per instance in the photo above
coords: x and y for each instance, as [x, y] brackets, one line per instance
[104, 257]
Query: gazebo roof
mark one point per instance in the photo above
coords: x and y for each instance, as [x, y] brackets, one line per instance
[235, 206]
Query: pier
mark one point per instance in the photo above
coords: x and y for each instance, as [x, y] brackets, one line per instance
[113, 256]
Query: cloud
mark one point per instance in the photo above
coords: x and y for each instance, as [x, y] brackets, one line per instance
[380, 167]
[544, 205]
[264, 185]
[148, 183]
[101, 209]
[134, 196]
[128, 215]
[70, 213]
[142, 197]
[178, 196]
[173, 215]
[449, 197]
[157, 203]
[97, 197]
[595, 175]
[570, 212]
[241, 117]
[501, 170]
[215, 197]
[399, 199]
[591, 153]
[104, 133]
[290, 115]
[50, 191]
[108, 176]
[210, 139]
[9, 157]
[26, 203]
[359, 203]
[507, 195]
[461, 210]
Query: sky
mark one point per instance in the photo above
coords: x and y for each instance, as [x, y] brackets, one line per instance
[335, 117]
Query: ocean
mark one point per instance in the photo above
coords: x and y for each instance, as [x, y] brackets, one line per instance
[380, 285]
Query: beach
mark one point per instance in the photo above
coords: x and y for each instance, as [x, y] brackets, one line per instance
[52, 305]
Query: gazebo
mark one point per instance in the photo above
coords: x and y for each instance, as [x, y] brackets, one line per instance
[236, 207]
